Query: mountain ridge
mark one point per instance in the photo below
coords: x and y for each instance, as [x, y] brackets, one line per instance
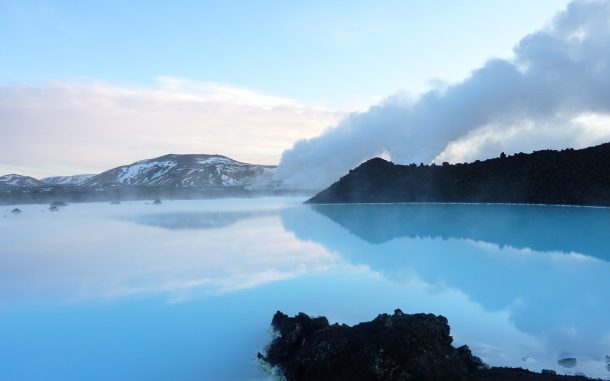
[185, 170]
[171, 176]
[170, 170]
[15, 180]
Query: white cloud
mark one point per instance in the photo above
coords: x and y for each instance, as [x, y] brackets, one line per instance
[59, 128]
[584, 130]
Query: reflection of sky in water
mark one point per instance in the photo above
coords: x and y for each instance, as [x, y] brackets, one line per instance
[186, 290]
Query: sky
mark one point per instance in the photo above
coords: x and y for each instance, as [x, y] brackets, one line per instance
[87, 86]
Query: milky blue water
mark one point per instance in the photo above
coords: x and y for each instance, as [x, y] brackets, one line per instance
[186, 290]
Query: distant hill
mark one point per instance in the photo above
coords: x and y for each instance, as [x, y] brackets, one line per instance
[14, 180]
[179, 171]
[176, 171]
[570, 177]
[170, 176]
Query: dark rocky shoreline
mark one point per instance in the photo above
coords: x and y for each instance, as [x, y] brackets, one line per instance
[568, 177]
[391, 347]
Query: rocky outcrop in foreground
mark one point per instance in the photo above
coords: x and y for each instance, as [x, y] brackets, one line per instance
[390, 347]
[568, 177]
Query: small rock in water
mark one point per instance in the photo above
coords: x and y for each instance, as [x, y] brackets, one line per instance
[53, 209]
[568, 362]
[157, 202]
[58, 204]
[115, 203]
[16, 211]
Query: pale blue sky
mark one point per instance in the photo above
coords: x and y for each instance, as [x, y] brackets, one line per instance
[338, 53]
[90, 85]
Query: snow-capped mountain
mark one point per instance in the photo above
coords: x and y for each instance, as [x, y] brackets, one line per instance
[67, 180]
[13, 180]
[187, 171]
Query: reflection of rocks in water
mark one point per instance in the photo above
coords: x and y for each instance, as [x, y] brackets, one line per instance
[191, 220]
[55, 205]
[542, 228]
[568, 362]
[390, 347]
[548, 286]
[115, 203]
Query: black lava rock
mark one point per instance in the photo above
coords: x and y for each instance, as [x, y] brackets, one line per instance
[568, 177]
[391, 347]
[518, 374]
[401, 347]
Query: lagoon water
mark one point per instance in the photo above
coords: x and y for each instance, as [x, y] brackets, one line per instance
[186, 290]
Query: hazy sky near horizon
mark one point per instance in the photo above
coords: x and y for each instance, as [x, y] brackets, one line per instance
[86, 86]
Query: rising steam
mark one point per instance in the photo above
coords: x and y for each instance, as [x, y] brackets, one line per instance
[557, 77]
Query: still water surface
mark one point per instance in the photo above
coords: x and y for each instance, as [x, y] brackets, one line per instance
[186, 290]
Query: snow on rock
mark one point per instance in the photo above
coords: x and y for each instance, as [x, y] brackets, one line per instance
[67, 180]
[216, 159]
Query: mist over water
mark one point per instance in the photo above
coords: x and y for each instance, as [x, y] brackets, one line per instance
[186, 290]
[552, 94]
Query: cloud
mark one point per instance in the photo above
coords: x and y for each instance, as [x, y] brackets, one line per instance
[538, 99]
[57, 128]
[582, 131]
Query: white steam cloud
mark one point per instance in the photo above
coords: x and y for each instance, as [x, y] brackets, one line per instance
[555, 92]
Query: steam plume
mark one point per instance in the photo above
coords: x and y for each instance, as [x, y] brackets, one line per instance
[558, 76]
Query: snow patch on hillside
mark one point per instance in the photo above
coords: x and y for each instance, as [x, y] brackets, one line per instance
[132, 173]
[67, 180]
[215, 160]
